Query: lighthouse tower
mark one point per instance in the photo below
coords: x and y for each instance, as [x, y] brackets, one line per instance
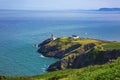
[52, 37]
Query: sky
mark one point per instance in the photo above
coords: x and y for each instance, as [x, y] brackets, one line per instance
[57, 4]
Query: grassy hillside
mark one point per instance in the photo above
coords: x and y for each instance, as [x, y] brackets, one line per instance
[109, 71]
[65, 42]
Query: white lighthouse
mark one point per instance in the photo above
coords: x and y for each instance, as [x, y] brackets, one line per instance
[52, 37]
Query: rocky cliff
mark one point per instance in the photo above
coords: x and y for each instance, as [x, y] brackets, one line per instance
[78, 53]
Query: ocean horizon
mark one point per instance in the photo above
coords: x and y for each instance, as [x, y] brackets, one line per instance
[21, 30]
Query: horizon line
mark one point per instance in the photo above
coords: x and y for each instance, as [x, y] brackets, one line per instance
[51, 9]
[57, 9]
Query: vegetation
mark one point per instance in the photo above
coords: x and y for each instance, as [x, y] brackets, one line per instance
[98, 72]
[65, 43]
[111, 45]
[109, 71]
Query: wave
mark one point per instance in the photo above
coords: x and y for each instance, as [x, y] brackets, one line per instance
[43, 69]
[35, 45]
[42, 56]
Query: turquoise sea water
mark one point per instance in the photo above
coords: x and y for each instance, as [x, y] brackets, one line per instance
[20, 30]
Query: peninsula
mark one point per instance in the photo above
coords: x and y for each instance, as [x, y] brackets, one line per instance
[78, 52]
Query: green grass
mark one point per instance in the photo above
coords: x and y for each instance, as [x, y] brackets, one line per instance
[109, 71]
[111, 45]
[65, 43]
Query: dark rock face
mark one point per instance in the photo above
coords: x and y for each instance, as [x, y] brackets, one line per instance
[103, 57]
[109, 55]
[67, 51]
[68, 61]
[89, 46]
[84, 60]
[44, 42]
[62, 64]
[54, 51]
[49, 51]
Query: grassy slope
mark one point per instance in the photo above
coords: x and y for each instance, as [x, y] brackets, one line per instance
[65, 43]
[110, 71]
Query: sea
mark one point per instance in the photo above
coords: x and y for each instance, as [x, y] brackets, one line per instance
[20, 30]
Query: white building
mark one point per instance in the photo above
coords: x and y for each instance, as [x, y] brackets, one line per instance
[75, 36]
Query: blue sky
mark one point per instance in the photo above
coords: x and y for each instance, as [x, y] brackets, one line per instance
[57, 4]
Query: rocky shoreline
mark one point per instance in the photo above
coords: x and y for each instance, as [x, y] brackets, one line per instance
[77, 53]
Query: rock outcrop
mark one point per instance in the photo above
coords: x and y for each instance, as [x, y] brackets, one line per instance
[77, 53]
